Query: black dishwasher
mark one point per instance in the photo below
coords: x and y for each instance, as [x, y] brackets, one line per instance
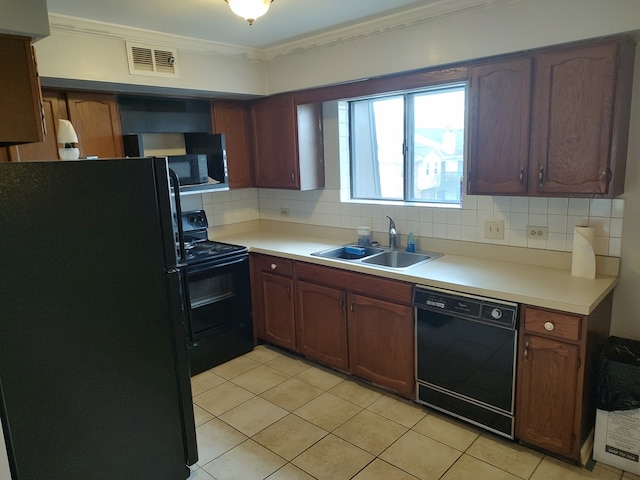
[465, 356]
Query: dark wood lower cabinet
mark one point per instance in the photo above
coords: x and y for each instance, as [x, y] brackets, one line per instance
[278, 310]
[381, 343]
[353, 322]
[557, 362]
[322, 324]
[549, 379]
[272, 296]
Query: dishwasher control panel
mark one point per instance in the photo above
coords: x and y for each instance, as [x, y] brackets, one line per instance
[472, 307]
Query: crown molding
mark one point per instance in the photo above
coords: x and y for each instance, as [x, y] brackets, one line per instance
[70, 24]
[399, 21]
[357, 31]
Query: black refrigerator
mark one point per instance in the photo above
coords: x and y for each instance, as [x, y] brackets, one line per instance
[94, 374]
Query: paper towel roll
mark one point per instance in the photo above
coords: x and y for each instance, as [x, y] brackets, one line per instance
[583, 259]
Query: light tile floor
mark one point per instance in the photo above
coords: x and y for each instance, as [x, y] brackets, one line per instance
[271, 415]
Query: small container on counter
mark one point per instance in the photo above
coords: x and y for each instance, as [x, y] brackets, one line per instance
[364, 236]
[411, 243]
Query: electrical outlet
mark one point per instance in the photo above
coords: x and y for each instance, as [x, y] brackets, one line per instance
[494, 229]
[284, 212]
[539, 233]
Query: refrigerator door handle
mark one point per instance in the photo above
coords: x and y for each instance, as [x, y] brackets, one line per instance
[176, 189]
[183, 372]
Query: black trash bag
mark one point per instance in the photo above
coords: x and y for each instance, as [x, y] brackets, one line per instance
[619, 375]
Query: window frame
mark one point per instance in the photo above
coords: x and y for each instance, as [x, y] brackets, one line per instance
[408, 141]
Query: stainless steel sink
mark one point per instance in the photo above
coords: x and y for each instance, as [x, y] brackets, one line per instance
[398, 259]
[378, 256]
[342, 254]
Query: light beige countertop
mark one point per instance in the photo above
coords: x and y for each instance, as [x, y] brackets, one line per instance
[541, 286]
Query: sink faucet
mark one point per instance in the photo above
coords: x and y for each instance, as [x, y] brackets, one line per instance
[393, 234]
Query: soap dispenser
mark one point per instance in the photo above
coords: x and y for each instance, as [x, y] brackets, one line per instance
[411, 243]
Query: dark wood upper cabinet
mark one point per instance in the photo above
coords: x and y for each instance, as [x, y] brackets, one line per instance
[94, 117]
[232, 119]
[54, 107]
[20, 98]
[498, 129]
[96, 120]
[581, 113]
[287, 143]
[553, 122]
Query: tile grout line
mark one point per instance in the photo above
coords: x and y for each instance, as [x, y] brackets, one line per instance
[383, 394]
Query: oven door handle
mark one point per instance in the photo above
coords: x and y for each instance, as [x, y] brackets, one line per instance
[176, 190]
[221, 264]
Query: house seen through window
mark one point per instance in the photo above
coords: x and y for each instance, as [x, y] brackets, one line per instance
[408, 146]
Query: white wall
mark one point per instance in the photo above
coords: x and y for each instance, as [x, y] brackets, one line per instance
[626, 300]
[84, 51]
[505, 27]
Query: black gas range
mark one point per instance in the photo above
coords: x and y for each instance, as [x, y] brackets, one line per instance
[198, 248]
[218, 296]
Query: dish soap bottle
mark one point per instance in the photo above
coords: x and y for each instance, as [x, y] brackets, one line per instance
[411, 243]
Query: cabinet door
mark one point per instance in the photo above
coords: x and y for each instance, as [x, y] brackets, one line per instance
[547, 394]
[275, 142]
[573, 114]
[20, 93]
[96, 120]
[322, 324]
[499, 104]
[381, 343]
[54, 108]
[232, 119]
[278, 310]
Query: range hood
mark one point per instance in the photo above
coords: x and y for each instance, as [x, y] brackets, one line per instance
[142, 114]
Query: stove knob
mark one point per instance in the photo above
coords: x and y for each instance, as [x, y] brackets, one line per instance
[496, 313]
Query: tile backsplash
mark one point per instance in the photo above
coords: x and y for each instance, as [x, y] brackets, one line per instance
[324, 208]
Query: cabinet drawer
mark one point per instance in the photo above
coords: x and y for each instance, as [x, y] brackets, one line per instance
[267, 263]
[555, 324]
[385, 289]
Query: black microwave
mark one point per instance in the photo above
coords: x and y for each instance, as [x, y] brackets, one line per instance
[191, 169]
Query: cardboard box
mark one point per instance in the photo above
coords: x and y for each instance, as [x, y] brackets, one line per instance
[617, 439]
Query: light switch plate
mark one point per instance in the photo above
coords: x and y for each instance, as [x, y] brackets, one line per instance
[494, 229]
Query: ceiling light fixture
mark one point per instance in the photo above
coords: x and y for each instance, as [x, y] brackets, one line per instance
[249, 9]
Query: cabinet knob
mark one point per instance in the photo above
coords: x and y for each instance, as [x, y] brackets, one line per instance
[541, 175]
[548, 326]
[273, 266]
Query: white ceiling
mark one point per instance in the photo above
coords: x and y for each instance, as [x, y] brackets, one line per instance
[286, 21]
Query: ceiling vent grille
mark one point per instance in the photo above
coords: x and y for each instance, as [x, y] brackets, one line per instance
[152, 61]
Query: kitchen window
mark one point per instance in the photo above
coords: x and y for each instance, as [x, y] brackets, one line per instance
[408, 146]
